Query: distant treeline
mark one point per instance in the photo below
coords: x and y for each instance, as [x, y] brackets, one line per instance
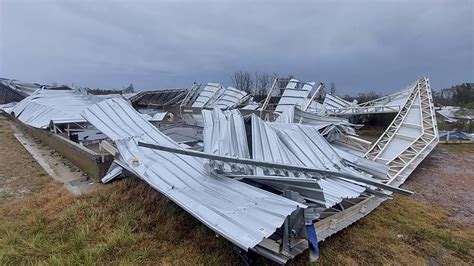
[459, 95]
[129, 89]
[362, 97]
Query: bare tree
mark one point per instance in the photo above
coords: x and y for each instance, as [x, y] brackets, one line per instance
[262, 83]
[284, 82]
[333, 89]
[274, 76]
[242, 80]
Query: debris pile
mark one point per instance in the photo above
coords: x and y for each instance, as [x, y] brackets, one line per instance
[272, 177]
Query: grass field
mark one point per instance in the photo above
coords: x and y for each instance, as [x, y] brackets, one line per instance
[127, 222]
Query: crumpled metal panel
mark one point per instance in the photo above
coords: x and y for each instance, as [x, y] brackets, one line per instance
[23, 88]
[224, 133]
[229, 98]
[241, 213]
[215, 95]
[207, 94]
[332, 128]
[377, 169]
[334, 102]
[156, 98]
[296, 115]
[293, 96]
[59, 106]
[301, 145]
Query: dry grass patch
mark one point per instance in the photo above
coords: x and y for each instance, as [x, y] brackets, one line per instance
[402, 231]
[20, 174]
[125, 222]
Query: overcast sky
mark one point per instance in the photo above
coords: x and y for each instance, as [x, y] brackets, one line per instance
[358, 45]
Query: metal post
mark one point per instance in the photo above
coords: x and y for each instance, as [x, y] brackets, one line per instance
[269, 95]
[321, 84]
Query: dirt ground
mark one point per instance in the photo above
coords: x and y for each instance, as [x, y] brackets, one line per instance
[127, 222]
[446, 178]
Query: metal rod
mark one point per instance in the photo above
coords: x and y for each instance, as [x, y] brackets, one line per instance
[338, 175]
[269, 95]
[321, 84]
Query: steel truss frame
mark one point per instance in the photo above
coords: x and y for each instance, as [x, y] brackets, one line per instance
[377, 106]
[347, 212]
[422, 140]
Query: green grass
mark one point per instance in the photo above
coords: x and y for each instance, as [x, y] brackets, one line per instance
[130, 223]
[123, 223]
[402, 231]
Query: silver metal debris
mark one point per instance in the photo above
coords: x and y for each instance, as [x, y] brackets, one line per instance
[241, 213]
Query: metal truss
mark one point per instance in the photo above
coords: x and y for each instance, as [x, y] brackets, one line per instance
[411, 135]
[387, 104]
[360, 110]
[409, 139]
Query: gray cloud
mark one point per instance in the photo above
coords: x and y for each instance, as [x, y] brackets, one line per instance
[359, 46]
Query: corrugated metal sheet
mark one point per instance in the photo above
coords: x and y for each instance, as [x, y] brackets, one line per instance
[229, 98]
[224, 133]
[59, 106]
[334, 102]
[377, 169]
[23, 88]
[207, 94]
[293, 96]
[239, 212]
[157, 98]
[215, 95]
[301, 145]
[296, 115]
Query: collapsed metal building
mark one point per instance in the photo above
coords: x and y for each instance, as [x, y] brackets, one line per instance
[272, 177]
[13, 91]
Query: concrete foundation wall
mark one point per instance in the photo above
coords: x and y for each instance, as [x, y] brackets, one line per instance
[94, 164]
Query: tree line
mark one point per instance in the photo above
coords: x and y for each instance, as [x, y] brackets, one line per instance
[129, 89]
[459, 95]
[257, 83]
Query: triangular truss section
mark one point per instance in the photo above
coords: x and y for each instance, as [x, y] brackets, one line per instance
[411, 135]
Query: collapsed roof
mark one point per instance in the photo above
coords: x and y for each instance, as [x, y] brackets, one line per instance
[62, 105]
[264, 184]
[239, 212]
[15, 91]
